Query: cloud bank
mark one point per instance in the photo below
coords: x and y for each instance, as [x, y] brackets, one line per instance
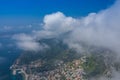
[99, 29]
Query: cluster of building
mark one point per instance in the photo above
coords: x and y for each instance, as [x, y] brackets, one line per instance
[68, 71]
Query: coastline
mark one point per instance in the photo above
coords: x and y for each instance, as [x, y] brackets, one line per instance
[18, 73]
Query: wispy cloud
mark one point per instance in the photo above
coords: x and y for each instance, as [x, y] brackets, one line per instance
[28, 43]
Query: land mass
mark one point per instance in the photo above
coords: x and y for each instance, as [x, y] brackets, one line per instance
[62, 63]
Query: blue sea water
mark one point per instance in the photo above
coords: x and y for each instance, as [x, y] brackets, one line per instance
[8, 54]
[17, 77]
[9, 51]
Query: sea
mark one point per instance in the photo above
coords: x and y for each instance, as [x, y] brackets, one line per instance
[8, 54]
[9, 51]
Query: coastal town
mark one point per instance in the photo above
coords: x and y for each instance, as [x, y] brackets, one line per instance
[65, 71]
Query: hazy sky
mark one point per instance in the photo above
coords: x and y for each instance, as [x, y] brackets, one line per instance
[32, 11]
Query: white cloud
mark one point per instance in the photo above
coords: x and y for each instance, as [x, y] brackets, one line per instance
[99, 29]
[59, 23]
[7, 28]
[55, 25]
[27, 42]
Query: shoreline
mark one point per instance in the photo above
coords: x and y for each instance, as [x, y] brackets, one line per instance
[16, 72]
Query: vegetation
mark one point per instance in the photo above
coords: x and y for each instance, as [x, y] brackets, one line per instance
[94, 66]
[96, 61]
[57, 52]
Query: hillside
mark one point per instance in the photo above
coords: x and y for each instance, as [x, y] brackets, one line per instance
[58, 62]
